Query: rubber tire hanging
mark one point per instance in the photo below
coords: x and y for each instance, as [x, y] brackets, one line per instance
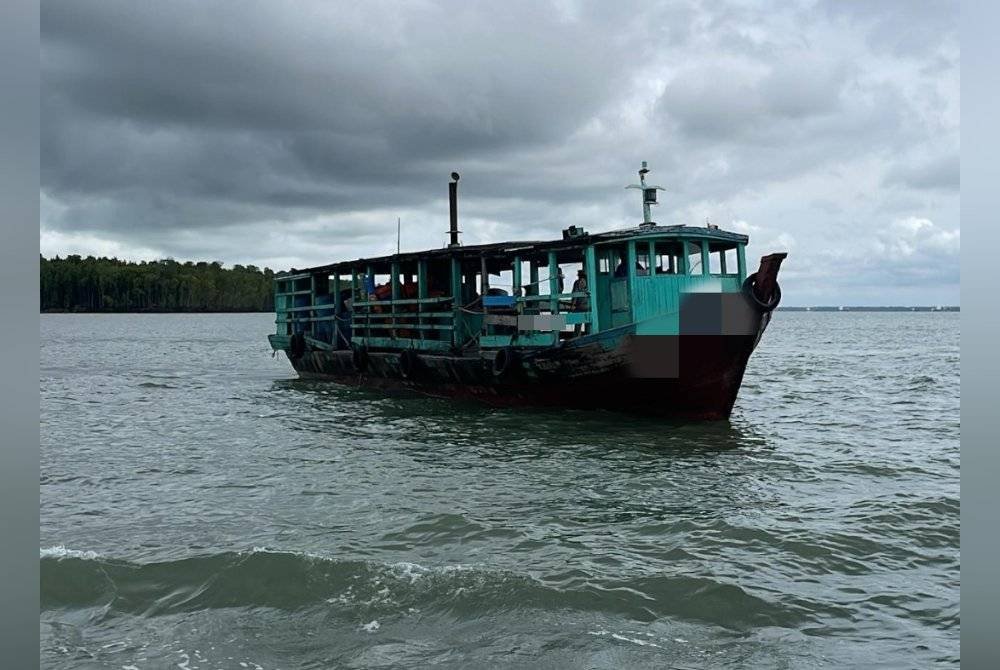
[504, 361]
[748, 288]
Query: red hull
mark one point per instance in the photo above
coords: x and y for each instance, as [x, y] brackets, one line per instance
[694, 376]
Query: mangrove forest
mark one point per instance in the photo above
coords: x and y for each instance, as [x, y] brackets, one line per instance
[76, 284]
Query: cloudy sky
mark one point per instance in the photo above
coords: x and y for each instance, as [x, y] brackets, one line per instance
[290, 134]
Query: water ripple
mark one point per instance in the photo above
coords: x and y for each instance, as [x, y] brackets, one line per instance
[201, 507]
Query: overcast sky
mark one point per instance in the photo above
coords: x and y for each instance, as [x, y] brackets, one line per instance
[291, 134]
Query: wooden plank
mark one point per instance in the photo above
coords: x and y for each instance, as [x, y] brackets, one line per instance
[500, 319]
[406, 301]
[403, 343]
[404, 326]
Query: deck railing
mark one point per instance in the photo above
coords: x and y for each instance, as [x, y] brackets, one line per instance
[404, 322]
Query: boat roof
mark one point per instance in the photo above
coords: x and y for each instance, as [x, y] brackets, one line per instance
[531, 247]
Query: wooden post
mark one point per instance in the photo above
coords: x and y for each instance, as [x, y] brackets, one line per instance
[456, 300]
[368, 297]
[722, 260]
[533, 274]
[741, 261]
[311, 326]
[704, 257]
[590, 263]
[553, 283]
[484, 289]
[631, 281]
[516, 272]
[335, 326]
[354, 302]
[394, 284]
[422, 293]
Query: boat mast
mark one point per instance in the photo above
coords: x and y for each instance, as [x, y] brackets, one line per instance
[648, 196]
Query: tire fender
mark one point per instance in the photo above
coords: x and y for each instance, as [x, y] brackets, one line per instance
[504, 362]
[748, 288]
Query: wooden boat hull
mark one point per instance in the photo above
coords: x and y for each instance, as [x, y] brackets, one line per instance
[686, 376]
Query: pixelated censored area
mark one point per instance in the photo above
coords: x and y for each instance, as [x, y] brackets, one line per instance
[654, 357]
[717, 314]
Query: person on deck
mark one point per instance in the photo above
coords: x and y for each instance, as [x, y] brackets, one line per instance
[580, 304]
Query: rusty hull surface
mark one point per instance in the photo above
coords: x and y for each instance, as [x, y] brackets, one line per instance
[686, 376]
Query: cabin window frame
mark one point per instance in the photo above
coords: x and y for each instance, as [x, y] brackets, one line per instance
[727, 267]
[697, 248]
[661, 249]
[642, 258]
[603, 262]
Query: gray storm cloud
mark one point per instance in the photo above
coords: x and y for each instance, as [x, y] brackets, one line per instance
[291, 134]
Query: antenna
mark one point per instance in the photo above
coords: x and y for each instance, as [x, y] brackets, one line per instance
[648, 195]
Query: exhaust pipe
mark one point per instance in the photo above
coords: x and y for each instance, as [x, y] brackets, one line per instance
[453, 209]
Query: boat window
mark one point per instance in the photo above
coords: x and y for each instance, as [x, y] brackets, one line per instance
[668, 258]
[694, 258]
[603, 264]
[715, 262]
[642, 260]
[618, 262]
[732, 261]
[723, 259]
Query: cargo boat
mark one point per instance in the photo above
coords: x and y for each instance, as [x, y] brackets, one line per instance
[659, 320]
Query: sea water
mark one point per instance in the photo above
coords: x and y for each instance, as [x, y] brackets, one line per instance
[203, 508]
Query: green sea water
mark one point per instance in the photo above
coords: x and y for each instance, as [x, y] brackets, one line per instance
[202, 508]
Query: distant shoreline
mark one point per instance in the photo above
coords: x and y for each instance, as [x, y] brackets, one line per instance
[891, 308]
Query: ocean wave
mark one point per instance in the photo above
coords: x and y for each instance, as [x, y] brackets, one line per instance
[262, 577]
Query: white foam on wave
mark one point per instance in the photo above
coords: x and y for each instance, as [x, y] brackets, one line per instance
[63, 552]
[405, 569]
[634, 640]
[371, 626]
[624, 638]
[412, 571]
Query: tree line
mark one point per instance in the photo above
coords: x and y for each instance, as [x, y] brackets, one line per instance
[76, 284]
